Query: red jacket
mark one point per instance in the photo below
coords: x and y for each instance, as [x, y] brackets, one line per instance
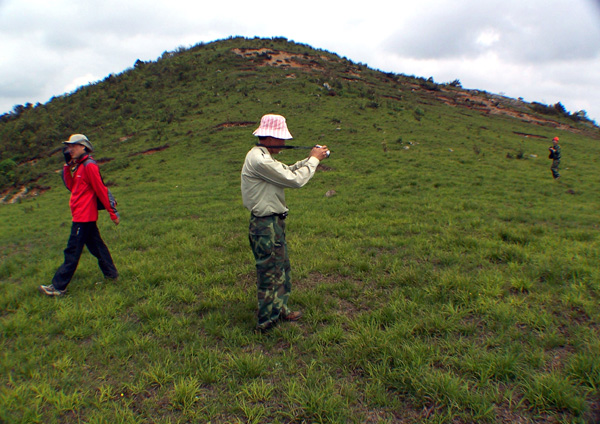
[85, 185]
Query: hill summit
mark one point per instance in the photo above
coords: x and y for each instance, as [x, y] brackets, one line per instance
[227, 83]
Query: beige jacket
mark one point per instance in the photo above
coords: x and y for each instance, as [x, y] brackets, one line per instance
[264, 178]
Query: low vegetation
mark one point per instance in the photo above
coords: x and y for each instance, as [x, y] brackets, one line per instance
[441, 279]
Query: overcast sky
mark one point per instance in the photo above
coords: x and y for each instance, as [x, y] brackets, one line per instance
[542, 50]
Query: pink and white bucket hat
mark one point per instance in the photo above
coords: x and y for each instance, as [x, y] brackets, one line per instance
[273, 126]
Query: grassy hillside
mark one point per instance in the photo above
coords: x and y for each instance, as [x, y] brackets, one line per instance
[448, 280]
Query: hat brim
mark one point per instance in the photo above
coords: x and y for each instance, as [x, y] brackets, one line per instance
[287, 136]
[87, 145]
[280, 134]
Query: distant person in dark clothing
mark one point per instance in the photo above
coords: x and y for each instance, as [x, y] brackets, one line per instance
[555, 156]
[82, 178]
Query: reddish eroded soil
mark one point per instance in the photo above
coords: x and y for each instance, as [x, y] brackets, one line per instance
[151, 151]
[282, 59]
[470, 99]
[234, 124]
[22, 193]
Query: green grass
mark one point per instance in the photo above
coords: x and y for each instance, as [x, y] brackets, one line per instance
[437, 286]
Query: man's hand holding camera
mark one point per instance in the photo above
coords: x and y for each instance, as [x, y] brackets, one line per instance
[320, 152]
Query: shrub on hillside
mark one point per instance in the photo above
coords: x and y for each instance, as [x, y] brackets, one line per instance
[7, 171]
[419, 113]
[430, 85]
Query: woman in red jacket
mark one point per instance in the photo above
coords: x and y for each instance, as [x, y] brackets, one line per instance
[82, 178]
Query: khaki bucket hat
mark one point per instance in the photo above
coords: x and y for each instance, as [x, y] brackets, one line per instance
[80, 139]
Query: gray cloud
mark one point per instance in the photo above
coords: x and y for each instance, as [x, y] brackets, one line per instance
[525, 49]
[516, 31]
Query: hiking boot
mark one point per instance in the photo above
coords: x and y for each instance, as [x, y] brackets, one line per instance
[292, 316]
[51, 291]
[265, 329]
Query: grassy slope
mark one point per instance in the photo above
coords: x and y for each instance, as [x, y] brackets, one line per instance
[442, 283]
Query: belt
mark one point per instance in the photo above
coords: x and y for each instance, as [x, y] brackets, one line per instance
[279, 215]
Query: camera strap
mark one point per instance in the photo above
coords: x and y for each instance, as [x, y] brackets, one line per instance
[284, 147]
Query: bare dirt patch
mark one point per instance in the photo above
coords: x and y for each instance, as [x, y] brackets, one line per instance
[103, 160]
[281, 59]
[24, 192]
[151, 151]
[125, 138]
[529, 135]
[234, 124]
[495, 106]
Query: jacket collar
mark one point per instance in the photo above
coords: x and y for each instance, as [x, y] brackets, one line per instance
[80, 161]
[263, 149]
[82, 158]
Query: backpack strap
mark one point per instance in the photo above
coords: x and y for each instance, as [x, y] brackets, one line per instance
[90, 160]
[111, 198]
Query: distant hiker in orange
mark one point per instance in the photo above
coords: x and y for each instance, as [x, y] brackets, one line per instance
[555, 156]
[82, 178]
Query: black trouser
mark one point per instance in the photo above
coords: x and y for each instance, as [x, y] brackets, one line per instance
[84, 234]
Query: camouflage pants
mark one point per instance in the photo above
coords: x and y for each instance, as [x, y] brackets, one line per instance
[267, 239]
[554, 168]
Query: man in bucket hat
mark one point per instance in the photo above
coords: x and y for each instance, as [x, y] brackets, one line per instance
[82, 178]
[263, 182]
